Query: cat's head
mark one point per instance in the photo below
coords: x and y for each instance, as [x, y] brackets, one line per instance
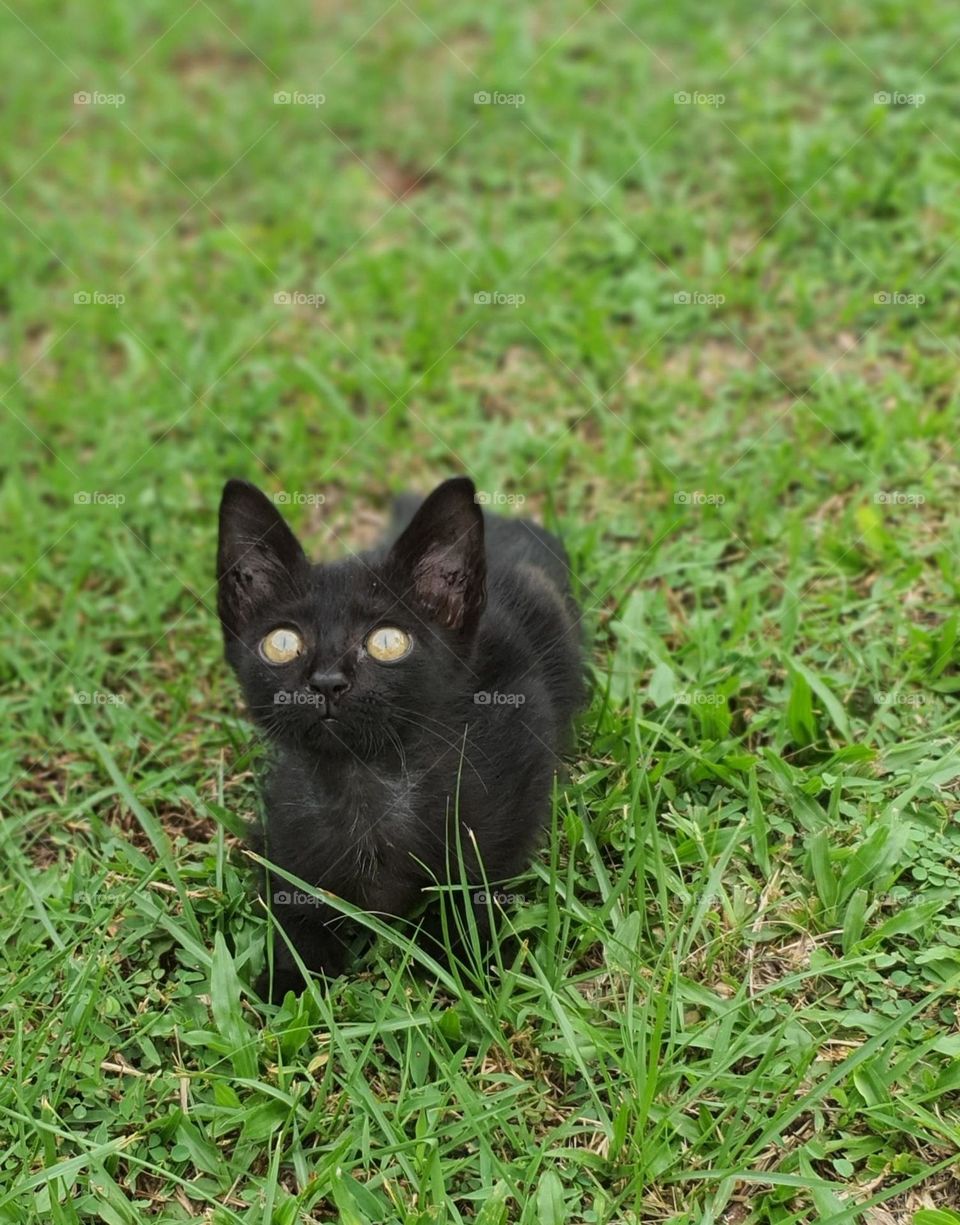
[350, 657]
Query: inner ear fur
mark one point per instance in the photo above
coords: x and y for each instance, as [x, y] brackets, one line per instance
[440, 560]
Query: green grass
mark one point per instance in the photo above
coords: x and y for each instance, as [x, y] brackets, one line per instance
[736, 994]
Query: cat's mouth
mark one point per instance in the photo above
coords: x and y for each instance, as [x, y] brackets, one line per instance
[331, 736]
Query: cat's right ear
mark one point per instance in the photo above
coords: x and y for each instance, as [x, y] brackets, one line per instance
[259, 560]
[439, 559]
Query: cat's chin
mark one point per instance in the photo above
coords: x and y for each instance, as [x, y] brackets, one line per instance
[332, 737]
[328, 736]
[345, 739]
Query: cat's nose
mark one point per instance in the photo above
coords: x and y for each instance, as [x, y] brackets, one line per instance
[331, 686]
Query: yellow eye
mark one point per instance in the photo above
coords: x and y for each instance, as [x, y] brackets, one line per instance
[281, 646]
[388, 644]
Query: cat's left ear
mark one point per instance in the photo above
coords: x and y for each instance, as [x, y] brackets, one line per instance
[440, 561]
[259, 561]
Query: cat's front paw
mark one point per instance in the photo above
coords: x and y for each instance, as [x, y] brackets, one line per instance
[272, 987]
[324, 964]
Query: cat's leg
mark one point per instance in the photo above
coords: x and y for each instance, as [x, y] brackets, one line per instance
[458, 926]
[320, 934]
[321, 939]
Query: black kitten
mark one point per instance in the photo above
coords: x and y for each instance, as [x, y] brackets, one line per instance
[429, 682]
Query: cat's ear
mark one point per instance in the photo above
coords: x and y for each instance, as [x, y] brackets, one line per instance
[258, 559]
[439, 561]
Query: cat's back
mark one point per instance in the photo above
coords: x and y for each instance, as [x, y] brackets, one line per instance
[517, 543]
[531, 631]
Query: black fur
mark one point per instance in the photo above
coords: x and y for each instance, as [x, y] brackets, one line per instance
[364, 804]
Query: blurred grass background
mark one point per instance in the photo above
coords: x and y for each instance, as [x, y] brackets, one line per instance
[721, 358]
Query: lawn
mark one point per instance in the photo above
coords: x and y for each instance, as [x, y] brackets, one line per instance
[679, 281]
